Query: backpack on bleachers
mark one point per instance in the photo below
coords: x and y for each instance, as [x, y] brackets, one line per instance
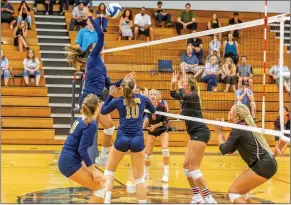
[165, 66]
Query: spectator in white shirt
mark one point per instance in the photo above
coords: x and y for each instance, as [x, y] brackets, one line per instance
[143, 23]
[31, 66]
[274, 72]
[79, 16]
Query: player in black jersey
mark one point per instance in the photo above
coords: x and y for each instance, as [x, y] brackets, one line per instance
[188, 95]
[281, 146]
[254, 150]
[157, 126]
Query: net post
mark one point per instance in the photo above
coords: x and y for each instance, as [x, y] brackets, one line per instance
[281, 89]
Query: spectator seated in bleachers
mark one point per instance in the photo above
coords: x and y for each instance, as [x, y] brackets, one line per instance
[245, 96]
[101, 18]
[274, 72]
[214, 52]
[186, 20]
[214, 44]
[31, 65]
[162, 15]
[213, 24]
[86, 36]
[228, 74]
[197, 45]
[7, 12]
[24, 14]
[235, 20]
[125, 25]
[86, 2]
[79, 16]
[63, 4]
[19, 34]
[46, 3]
[231, 49]
[143, 24]
[245, 72]
[190, 63]
[4, 72]
[210, 74]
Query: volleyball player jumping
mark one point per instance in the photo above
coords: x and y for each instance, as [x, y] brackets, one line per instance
[188, 95]
[254, 150]
[96, 80]
[157, 126]
[75, 150]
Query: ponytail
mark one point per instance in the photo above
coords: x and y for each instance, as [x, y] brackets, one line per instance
[89, 108]
[194, 87]
[76, 57]
[128, 85]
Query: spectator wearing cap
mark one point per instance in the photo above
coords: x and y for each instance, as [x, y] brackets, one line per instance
[86, 36]
[197, 45]
[214, 52]
[79, 16]
[143, 24]
[186, 20]
[233, 21]
[244, 95]
[162, 15]
[245, 72]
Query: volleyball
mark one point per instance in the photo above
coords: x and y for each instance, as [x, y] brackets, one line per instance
[113, 10]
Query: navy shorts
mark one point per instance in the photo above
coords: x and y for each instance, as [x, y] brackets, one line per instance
[69, 164]
[83, 95]
[125, 143]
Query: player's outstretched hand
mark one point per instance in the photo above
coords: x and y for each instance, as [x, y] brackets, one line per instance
[131, 75]
[113, 91]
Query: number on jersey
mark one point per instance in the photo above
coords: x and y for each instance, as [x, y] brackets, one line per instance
[133, 112]
[74, 126]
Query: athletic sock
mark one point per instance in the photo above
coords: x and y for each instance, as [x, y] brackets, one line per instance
[166, 169]
[206, 193]
[107, 199]
[196, 191]
[146, 169]
[142, 201]
[104, 151]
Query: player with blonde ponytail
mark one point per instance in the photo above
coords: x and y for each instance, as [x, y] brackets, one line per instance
[75, 150]
[254, 150]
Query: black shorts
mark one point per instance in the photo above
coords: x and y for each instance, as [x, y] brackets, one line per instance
[145, 32]
[266, 167]
[158, 132]
[202, 135]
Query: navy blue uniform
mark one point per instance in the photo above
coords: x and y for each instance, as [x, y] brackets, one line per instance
[155, 119]
[190, 106]
[130, 132]
[96, 74]
[75, 149]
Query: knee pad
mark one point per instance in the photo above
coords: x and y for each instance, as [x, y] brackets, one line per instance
[109, 131]
[233, 196]
[139, 180]
[148, 158]
[165, 153]
[196, 174]
[100, 193]
[246, 196]
[186, 172]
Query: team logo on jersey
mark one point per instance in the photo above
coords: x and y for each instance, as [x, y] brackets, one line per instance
[122, 195]
[154, 116]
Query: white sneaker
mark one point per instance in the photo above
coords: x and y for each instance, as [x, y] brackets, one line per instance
[210, 200]
[102, 160]
[197, 200]
[146, 175]
[165, 178]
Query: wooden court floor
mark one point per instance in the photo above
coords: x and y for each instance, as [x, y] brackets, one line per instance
[30, 175]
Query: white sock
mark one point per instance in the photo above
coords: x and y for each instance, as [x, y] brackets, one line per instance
[107, 199]
[166, 169]
[104, 151]
[142, 201]
[146, 169]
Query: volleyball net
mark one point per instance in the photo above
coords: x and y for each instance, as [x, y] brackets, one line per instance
[154, 63]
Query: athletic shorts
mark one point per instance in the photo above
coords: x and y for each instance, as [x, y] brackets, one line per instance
[157, 133]
[202, 135]
[125, 143]
[145, 32]
[266, 167]
[69, 164]
[83, 95]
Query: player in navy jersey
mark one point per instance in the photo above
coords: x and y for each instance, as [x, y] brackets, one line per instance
[188, 95]
[131, 108]
[157, 126]
[95, 81]
[75, 150]
[253, 149]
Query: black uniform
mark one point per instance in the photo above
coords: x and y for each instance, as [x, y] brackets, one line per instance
[278, 127]
[257, 158]
[155, 119]
[190, 106]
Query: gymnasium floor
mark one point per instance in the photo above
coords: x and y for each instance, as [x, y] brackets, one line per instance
[30, 175]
